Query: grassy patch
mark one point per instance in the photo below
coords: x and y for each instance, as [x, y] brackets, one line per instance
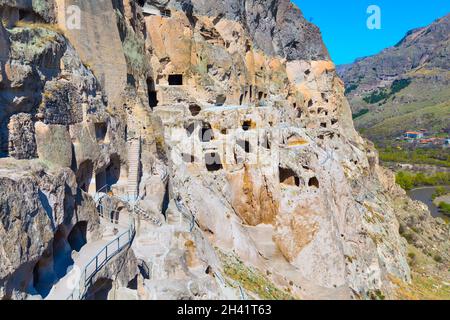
[422, 287]
[251, 279]
[445, 208]
[437, 157]
[408, 180]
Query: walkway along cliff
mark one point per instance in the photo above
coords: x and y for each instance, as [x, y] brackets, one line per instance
[221, 129]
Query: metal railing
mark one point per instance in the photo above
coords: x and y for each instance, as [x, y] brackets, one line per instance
[108, 252]
[137, 210]
[143, 213]
[185, 212]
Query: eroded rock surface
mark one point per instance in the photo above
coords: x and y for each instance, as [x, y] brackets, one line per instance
[230, 121]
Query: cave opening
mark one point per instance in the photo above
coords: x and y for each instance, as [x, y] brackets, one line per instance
[166, 13]
[152, 93]
[84, 175]
[4, 138]
[313, 182]
[62, 253]
[166, 200]
[100, 289]
[77, 237]
[133, 283]
[247, 125]
[43, 274]
[100, 131]
[100, 181]
[113, 170]
[220, 100]
[194, 109]
[289, 177]
[175, 80]
[213, 162]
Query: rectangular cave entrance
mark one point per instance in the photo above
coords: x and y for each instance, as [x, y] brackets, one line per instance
[175, 80]
[100, 131]
[100, 181]
[84, 175]
[4, 138]
[100, 289]
[108, 177]
[152, 94]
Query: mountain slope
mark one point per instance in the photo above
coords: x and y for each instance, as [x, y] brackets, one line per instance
[252, 182]
[401, 84]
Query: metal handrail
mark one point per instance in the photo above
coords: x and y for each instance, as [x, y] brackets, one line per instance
[183, 210]
[86, 276]
[106, 187]
[137, 209]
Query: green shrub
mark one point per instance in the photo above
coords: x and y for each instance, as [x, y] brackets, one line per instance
[360, 113]
[409, 180]
[440, 191]
[377, 96]
[437, 157]
[399, 85]
[383, 93]
[351, 88]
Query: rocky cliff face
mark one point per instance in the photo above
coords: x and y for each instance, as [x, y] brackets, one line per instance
[405, 87]
[252, 180]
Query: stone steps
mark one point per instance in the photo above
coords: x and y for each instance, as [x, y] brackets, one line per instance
[134, 159]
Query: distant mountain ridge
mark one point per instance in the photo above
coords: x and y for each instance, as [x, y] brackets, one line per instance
[404, 86]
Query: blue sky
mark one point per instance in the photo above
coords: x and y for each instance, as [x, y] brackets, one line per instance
[343, 23]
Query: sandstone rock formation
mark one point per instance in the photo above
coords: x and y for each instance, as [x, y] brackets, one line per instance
[252, 180]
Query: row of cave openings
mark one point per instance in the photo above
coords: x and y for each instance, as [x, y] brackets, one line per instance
[290, 178]
[287, 176]
[248, 94]
[104, 177]
[206, 133]
[57, 258]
